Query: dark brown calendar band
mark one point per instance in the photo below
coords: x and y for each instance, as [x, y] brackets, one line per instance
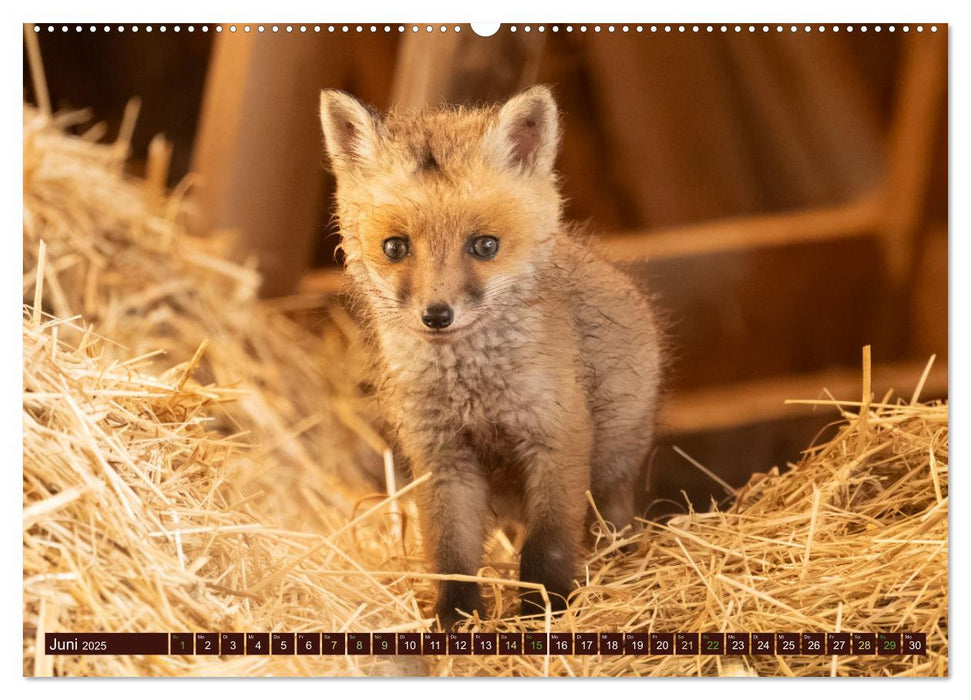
[482, 643]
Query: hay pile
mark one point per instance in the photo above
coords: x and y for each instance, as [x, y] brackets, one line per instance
[223, 484]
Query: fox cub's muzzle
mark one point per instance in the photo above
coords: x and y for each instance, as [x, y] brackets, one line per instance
[438, 316]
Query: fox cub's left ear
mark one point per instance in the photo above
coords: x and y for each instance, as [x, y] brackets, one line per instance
[527, 131]
[350, 130]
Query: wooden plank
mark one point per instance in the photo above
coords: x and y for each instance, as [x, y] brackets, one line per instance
[676, 137]
[745, 314]
[747, 403]
[835, 105]
[928, 302]
[423, 69]
[258, 151]
[463, 67]
[322, 282]
[765, 82]
[851, 220]
[922, 96]
[585, 156]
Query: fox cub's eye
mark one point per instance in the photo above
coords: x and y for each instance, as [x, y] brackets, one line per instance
[395, 248]
[485, 247]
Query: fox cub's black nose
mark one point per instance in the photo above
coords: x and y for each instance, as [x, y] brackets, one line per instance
[438, 316]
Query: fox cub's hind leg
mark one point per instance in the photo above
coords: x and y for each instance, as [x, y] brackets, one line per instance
[614, 488]
[615, 500]
[454, 518]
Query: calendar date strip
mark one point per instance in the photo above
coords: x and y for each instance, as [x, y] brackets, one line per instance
[486, 643]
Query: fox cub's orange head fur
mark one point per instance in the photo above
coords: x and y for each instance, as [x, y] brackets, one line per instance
[445, 214]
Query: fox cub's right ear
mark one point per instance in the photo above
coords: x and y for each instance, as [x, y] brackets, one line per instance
[527, 131]
[350, 130]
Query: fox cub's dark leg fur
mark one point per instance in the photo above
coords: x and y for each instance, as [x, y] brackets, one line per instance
[615, 500]
[617, 477]
[555, 511]
[455, 515]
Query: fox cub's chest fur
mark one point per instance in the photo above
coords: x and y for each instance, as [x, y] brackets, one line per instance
[511, 360]
[489, 380]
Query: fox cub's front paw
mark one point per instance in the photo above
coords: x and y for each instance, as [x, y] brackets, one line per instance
[455, 596]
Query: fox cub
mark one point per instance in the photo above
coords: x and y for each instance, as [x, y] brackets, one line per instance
[516, 367]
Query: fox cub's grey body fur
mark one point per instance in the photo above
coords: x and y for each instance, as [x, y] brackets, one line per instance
[517, 367]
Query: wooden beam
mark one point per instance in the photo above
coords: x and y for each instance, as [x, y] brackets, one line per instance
[922, 97]
[763, 400]
[423, 69]
[857, 218]
[322, 282]
[258, 150]
[463, 67]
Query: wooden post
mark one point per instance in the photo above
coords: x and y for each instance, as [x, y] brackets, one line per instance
[258, 151]
[463, 67]
[922, 96]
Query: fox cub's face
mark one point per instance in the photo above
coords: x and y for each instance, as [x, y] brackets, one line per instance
[446, 216]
